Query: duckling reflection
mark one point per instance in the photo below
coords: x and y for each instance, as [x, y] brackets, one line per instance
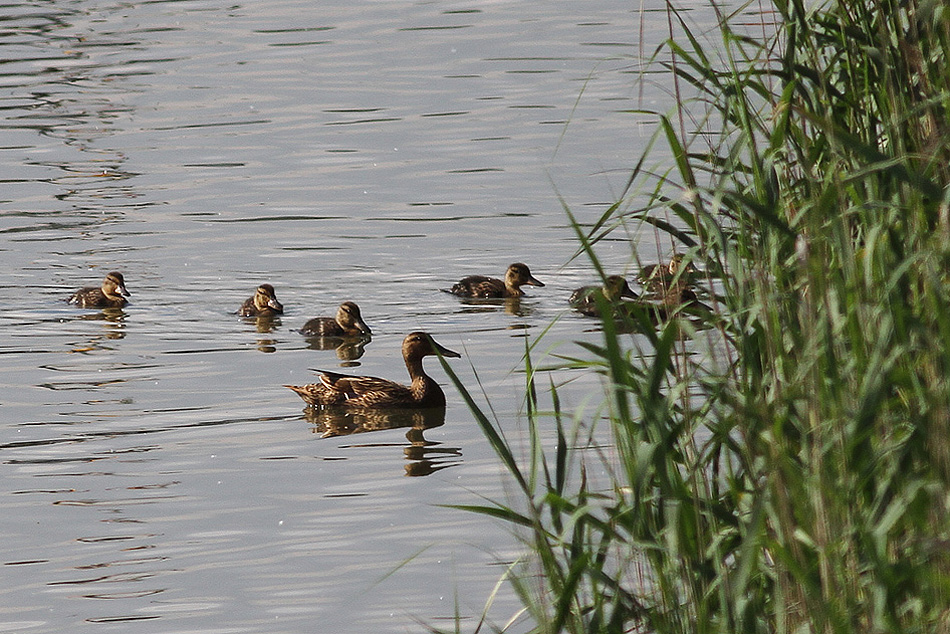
[514, 306]
[266, 345]
[424, 456]
[347, 348]
[264, 324]
[113, 323]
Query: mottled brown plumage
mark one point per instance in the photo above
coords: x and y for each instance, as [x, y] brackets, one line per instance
[484, 287]
[347, 323]
[584, 299]
[263, 303]
[368, 391]
[661, 306]
[660, 277]
[111, 294]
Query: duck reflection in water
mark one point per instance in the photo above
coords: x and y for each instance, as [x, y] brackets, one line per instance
[514, 306]
[424, 456]
[113, 323]
[347, 348]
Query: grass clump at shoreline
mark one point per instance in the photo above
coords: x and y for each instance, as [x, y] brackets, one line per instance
[799, 480]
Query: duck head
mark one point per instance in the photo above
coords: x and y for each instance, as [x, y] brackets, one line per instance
[348, 316]
[417, 345]
[615, 287]
[113, 286]
[519, 275]
[265, 298]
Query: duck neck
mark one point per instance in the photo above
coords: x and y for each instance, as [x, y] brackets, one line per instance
[424, 389]
[414, 365]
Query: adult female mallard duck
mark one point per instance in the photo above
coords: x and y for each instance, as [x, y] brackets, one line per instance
[111, 294]
[659, 277]
[484, 287]
[368, 391]
[348, 322]
[263, 304]
[584, 299]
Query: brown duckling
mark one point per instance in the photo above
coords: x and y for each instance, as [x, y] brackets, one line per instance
[368, 391]
[263, 304]
[347, 323]
[659, 277]
[516, 276]
[584, 299]
[678, 300]
[111, 294]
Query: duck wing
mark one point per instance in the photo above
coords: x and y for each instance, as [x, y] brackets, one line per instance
[87, 297]
[479, 286]
[365, 390]
[322, 327]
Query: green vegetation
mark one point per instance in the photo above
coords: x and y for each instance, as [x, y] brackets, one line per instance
[795, 476]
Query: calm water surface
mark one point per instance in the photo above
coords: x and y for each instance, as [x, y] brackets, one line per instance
[153, 468]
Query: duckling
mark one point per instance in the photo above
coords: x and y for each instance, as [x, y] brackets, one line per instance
[675, 301]
[111, 294]
[264, 303]
[368, 391]
[348, 322]
[584, 299]
[517, 276]
[658, 277]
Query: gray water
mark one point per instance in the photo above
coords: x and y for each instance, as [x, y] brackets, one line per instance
[154, 469]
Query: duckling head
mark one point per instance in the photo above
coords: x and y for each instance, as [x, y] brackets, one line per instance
[348, 316]
[114, 285]
[265, 298]
[615, 287]
[519, 275]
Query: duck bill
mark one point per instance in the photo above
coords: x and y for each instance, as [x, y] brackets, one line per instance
[628, 293]
[123, 291]
[445, 352]
[273, 303]
[363, 328]
[533, 282]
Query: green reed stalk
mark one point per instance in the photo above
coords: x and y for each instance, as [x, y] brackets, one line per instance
[797, 478]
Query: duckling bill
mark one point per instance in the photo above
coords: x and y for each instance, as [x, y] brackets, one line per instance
[262, 304]
[484, 287]
[111, 294]
[348, 322]
[371, 392]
